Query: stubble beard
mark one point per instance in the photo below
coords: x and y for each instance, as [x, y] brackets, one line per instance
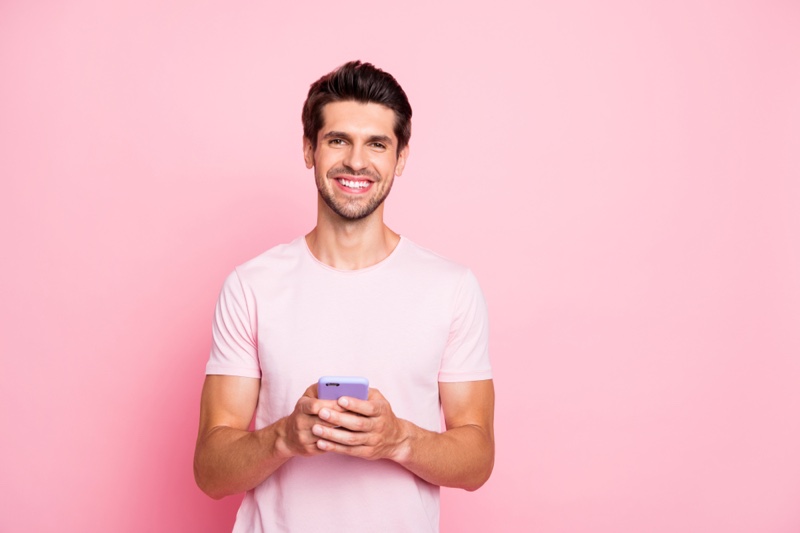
[355, 208]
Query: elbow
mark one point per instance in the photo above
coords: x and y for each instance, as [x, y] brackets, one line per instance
[205, 484]
[476, 486]
[478, 482]
[481, 477]
[483, 463]
[209, 489]
[215, 495]
[211, 494]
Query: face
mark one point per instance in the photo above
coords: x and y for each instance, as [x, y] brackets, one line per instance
[356, 157]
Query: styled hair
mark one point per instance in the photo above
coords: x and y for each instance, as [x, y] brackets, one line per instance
[359, 82]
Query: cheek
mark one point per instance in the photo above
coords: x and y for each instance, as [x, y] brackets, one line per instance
[324, 159]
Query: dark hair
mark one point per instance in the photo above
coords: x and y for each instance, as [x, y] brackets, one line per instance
[359, 82]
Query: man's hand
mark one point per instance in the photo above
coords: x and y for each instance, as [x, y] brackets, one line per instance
[361, 428]
[294, 431]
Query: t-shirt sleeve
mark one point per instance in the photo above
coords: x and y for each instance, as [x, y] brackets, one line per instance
[234, 347]
[466, 356]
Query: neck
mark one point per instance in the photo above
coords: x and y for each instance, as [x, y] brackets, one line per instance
[351, 244]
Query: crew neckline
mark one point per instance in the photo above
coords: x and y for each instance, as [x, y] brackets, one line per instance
[370, 268]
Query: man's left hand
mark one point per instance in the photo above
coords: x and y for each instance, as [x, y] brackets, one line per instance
[367, 429]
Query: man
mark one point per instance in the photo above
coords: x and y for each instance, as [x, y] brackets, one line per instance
[350, 298]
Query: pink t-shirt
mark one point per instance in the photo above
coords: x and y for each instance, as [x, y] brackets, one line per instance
[407, 323]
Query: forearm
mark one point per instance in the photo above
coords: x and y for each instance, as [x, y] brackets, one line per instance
[229, 460]
[461, 457]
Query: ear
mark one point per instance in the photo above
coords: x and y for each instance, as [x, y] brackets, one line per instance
[402, 157]
[308, 153]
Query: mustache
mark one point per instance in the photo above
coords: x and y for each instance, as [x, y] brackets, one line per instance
[354, 173]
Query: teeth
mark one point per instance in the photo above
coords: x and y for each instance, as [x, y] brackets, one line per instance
[354, 184]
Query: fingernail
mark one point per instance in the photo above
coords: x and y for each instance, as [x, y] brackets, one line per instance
[343, 402]
[324, 414]
[316, 430]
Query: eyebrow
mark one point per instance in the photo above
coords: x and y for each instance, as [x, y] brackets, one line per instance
[385, 139]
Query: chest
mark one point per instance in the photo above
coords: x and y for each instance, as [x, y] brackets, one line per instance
[392, 333]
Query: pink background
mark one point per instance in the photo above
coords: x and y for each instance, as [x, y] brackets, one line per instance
[623, 177]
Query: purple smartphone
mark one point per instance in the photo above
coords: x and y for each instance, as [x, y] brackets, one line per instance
[332, 387]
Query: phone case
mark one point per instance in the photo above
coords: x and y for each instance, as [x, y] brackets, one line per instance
[332, 387]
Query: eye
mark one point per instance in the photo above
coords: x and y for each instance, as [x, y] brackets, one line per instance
[337, 142]
[379, 146]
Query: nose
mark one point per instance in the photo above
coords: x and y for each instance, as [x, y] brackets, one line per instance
[355, 158]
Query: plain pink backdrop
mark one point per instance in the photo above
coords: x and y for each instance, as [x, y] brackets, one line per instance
[623, 177]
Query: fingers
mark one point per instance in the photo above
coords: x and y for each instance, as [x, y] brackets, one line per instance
[349, 421]
[346, 442]
[298, 437]
[312, 406]
[340, 436]
[341, 441]
[371, 407]
[349, 429]
[349, 426]
[359, 428]
[364, 452]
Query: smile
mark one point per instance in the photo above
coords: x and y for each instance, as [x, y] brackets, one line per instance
[351, 184]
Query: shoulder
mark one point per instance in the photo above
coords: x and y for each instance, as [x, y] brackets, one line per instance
[282, 258]
[428, 267]
[414, 255]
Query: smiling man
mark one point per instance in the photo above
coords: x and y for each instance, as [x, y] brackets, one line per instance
[365, 173]
[352, 297]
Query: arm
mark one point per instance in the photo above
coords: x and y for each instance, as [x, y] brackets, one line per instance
[462, 456]
[228, 458]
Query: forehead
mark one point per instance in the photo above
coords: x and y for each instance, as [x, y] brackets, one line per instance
[358, 118]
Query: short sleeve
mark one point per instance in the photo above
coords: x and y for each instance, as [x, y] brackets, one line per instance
[234, 348]
[466, 356]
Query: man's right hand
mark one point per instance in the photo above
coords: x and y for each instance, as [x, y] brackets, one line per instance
[294, 431]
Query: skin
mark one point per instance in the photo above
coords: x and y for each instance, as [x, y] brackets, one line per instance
[357, 143]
